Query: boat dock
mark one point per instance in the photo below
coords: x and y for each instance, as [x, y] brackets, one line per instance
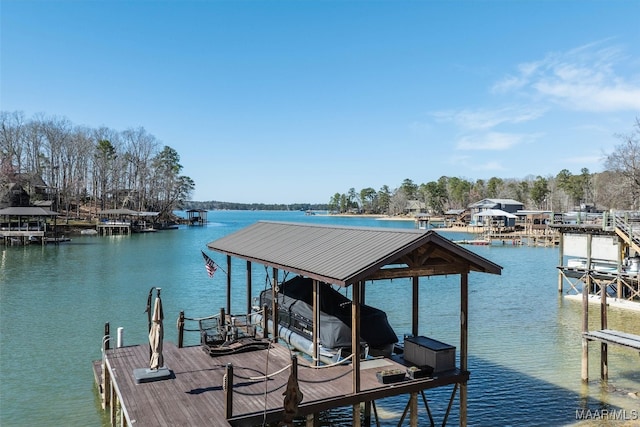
[196, 392]
[211, 383]
[606, 267]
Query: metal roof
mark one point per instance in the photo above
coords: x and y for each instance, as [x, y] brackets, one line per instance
[27, 211]
[345, 255]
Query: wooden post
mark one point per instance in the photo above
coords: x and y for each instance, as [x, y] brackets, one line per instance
[367, 414]
[355, 341]
[604, 363]
[274, 314]
[229, 284]
[313, 420]
[413, 409]
[561, 260]
[249, 285]
[619, 281]
[113, 398]
[181, 330]
[228, 391]
[316, 323]
[223, 323]
[584, 372]
[415, 304]
[107, 336]
[356, 416]
[106, 376]
[265, 321]
[464, 339]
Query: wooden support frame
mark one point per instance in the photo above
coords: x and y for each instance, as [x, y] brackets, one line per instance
[316, 323]
[415, 280]
[355, 336]
[464, 342]
[274, 306]
[249, 286]
[229, 284]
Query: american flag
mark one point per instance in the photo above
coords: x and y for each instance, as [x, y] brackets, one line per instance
[209, 264]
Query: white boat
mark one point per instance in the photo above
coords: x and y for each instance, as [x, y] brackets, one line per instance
[629, 265]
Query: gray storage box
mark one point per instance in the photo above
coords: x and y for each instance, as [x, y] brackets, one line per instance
[423, 351]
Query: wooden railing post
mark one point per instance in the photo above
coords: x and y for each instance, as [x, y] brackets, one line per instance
[223, 323]
[265, 321]
[228, 391]
[106, 377]
[107, 336]
[181, 330]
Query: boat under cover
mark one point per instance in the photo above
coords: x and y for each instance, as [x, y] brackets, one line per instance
[295, 311]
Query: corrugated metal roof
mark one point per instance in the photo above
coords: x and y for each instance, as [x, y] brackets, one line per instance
[344, 255]
[27, 211]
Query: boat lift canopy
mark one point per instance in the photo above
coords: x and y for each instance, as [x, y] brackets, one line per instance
[349, 256]
[345, 255]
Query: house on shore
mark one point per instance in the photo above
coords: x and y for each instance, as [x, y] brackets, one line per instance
[495, 212]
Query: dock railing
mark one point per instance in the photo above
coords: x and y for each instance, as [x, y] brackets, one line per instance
[217, 327]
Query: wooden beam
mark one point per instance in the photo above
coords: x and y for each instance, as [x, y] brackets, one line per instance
[274, 305]
[228, 283]
[316, 323]
[415, 307]
[355, 336]
[434, 270]
[560, 261]
[249, 285]
[604, 363]
[464, 340]
[584, 372]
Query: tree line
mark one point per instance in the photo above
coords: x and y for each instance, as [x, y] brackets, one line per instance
[78, 166]
[617, 187]
[104, 168]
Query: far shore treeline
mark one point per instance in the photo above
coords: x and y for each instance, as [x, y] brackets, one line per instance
[83, 170]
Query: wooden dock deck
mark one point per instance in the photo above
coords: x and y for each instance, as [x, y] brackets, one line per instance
[195, 395]
[610, 336]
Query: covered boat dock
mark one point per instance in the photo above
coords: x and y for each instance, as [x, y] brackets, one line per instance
[24, 224]
[247, 388]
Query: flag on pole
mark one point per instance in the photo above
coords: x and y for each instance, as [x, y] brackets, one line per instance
[209, 264]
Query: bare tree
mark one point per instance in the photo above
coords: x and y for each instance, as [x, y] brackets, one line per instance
[397, 202]
[140, 149]
[625, 161]
[12, 133]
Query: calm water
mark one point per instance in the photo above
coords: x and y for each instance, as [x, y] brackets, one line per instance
[524, 340]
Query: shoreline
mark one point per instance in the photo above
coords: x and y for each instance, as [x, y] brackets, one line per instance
[455, 229]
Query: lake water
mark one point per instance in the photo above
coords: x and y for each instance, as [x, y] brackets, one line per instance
[524, 340]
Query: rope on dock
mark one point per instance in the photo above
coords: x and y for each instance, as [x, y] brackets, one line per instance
[339, 362]
[264, 377]
[197, 319]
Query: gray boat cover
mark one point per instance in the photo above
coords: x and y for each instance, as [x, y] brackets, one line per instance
[295, 312]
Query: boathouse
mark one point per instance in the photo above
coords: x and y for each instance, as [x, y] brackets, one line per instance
[246, 388]
[197, 216]
[600, 262]
[24, 224]
[352, 257]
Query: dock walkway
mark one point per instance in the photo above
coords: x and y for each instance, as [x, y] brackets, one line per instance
[195, 395]
[610, 336]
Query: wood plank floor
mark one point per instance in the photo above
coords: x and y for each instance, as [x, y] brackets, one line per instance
[194, 394]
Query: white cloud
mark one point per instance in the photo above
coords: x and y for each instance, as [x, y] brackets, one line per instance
[484, 119]
[582, 79]
[495, 141]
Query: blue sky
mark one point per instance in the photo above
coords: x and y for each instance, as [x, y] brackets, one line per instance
[293, 101]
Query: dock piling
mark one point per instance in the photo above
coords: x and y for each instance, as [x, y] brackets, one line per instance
[228, 390]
